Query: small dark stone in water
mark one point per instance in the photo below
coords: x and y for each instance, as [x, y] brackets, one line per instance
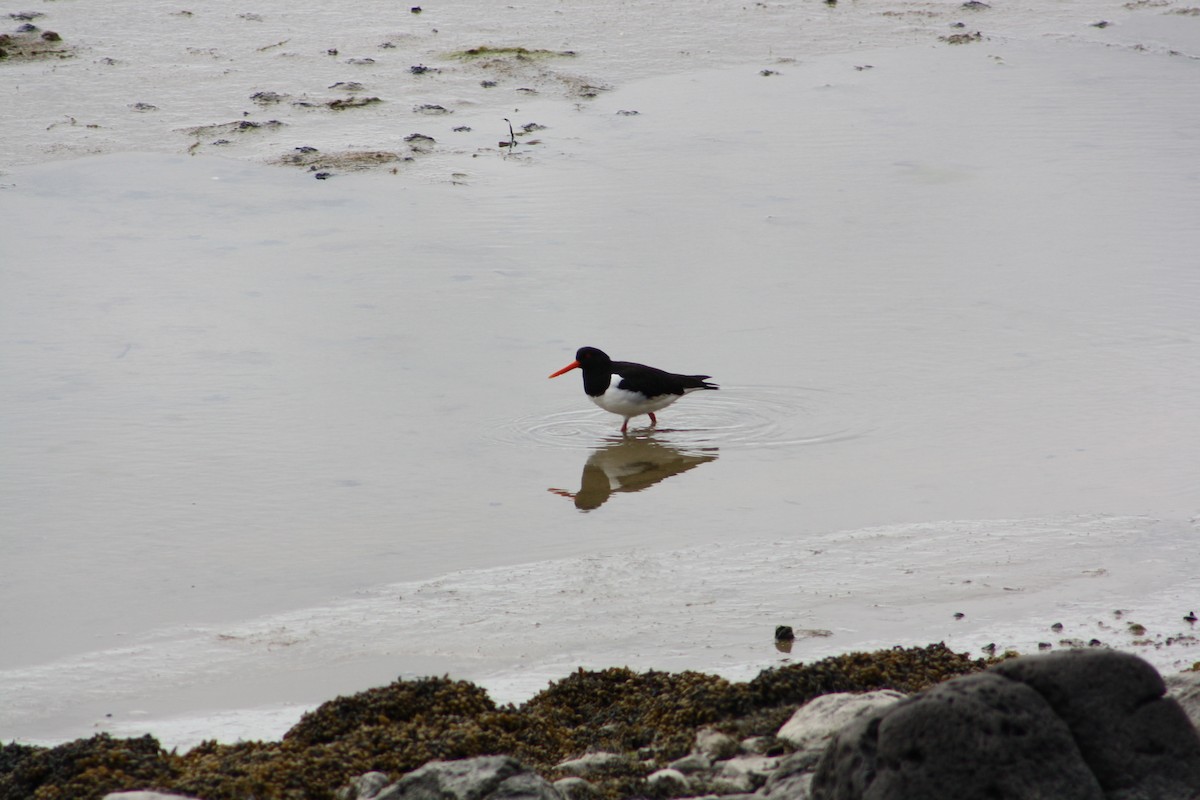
[1095, 643]
[306, 149]
[462, 129]
[26, 16]
[1101, 24]
[418, 69]
[959, 615]
[766, 73]
[322, 175]
[331, 51]
[487, 84]
[27, 28]
[1044, 645]
[975, 5]
[1056, 627]
[1191, 617]
[990, 648]
[51, 36]
[624, 113]
[415, 10]
[784, 633]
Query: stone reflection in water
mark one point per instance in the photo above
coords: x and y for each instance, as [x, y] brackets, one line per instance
[631, 465]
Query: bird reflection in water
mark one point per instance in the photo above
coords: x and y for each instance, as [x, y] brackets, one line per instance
[631, 464]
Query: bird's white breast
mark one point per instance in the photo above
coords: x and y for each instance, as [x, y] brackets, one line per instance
[630, 404]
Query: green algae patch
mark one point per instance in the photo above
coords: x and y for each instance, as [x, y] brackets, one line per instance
[30, 43]
[518, 53]
[651, 717]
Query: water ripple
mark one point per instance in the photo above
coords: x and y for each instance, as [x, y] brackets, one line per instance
[737, 416]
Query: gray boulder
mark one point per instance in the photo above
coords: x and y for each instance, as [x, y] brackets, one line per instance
[1074, 725]
[482, 778]
[1137, 742]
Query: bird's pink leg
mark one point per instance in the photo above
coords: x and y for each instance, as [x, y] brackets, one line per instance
[653, 419]
[625, 427]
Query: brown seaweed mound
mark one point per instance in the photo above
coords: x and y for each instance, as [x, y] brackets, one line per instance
[397, 728]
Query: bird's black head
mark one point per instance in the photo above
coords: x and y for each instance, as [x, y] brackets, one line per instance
[592, 357]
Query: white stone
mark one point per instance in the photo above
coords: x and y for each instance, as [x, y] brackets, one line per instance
[749, 771]
[575, 788]
[364, 787]
[742, 784]
[693, 762]
[758, 745]
[669, 779]
[814, 723]
[749, 765]
[592, 762]
[716, 745]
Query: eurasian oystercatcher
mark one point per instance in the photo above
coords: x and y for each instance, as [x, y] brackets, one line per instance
[630, 390]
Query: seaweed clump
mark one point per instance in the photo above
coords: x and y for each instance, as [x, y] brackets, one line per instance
[84, 768]
[651, 717]
[904, 669]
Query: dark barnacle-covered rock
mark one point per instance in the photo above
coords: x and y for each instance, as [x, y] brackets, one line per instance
[1076, 725]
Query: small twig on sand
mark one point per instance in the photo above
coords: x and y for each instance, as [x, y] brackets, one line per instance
[512, 137]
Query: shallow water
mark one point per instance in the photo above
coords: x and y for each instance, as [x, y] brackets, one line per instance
[242, 408]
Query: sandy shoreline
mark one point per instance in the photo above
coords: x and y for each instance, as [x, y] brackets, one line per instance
[965, 271]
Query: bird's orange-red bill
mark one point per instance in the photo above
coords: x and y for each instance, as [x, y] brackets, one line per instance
[567, 368]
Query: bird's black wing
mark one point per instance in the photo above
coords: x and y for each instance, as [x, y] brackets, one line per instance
[654, 382]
